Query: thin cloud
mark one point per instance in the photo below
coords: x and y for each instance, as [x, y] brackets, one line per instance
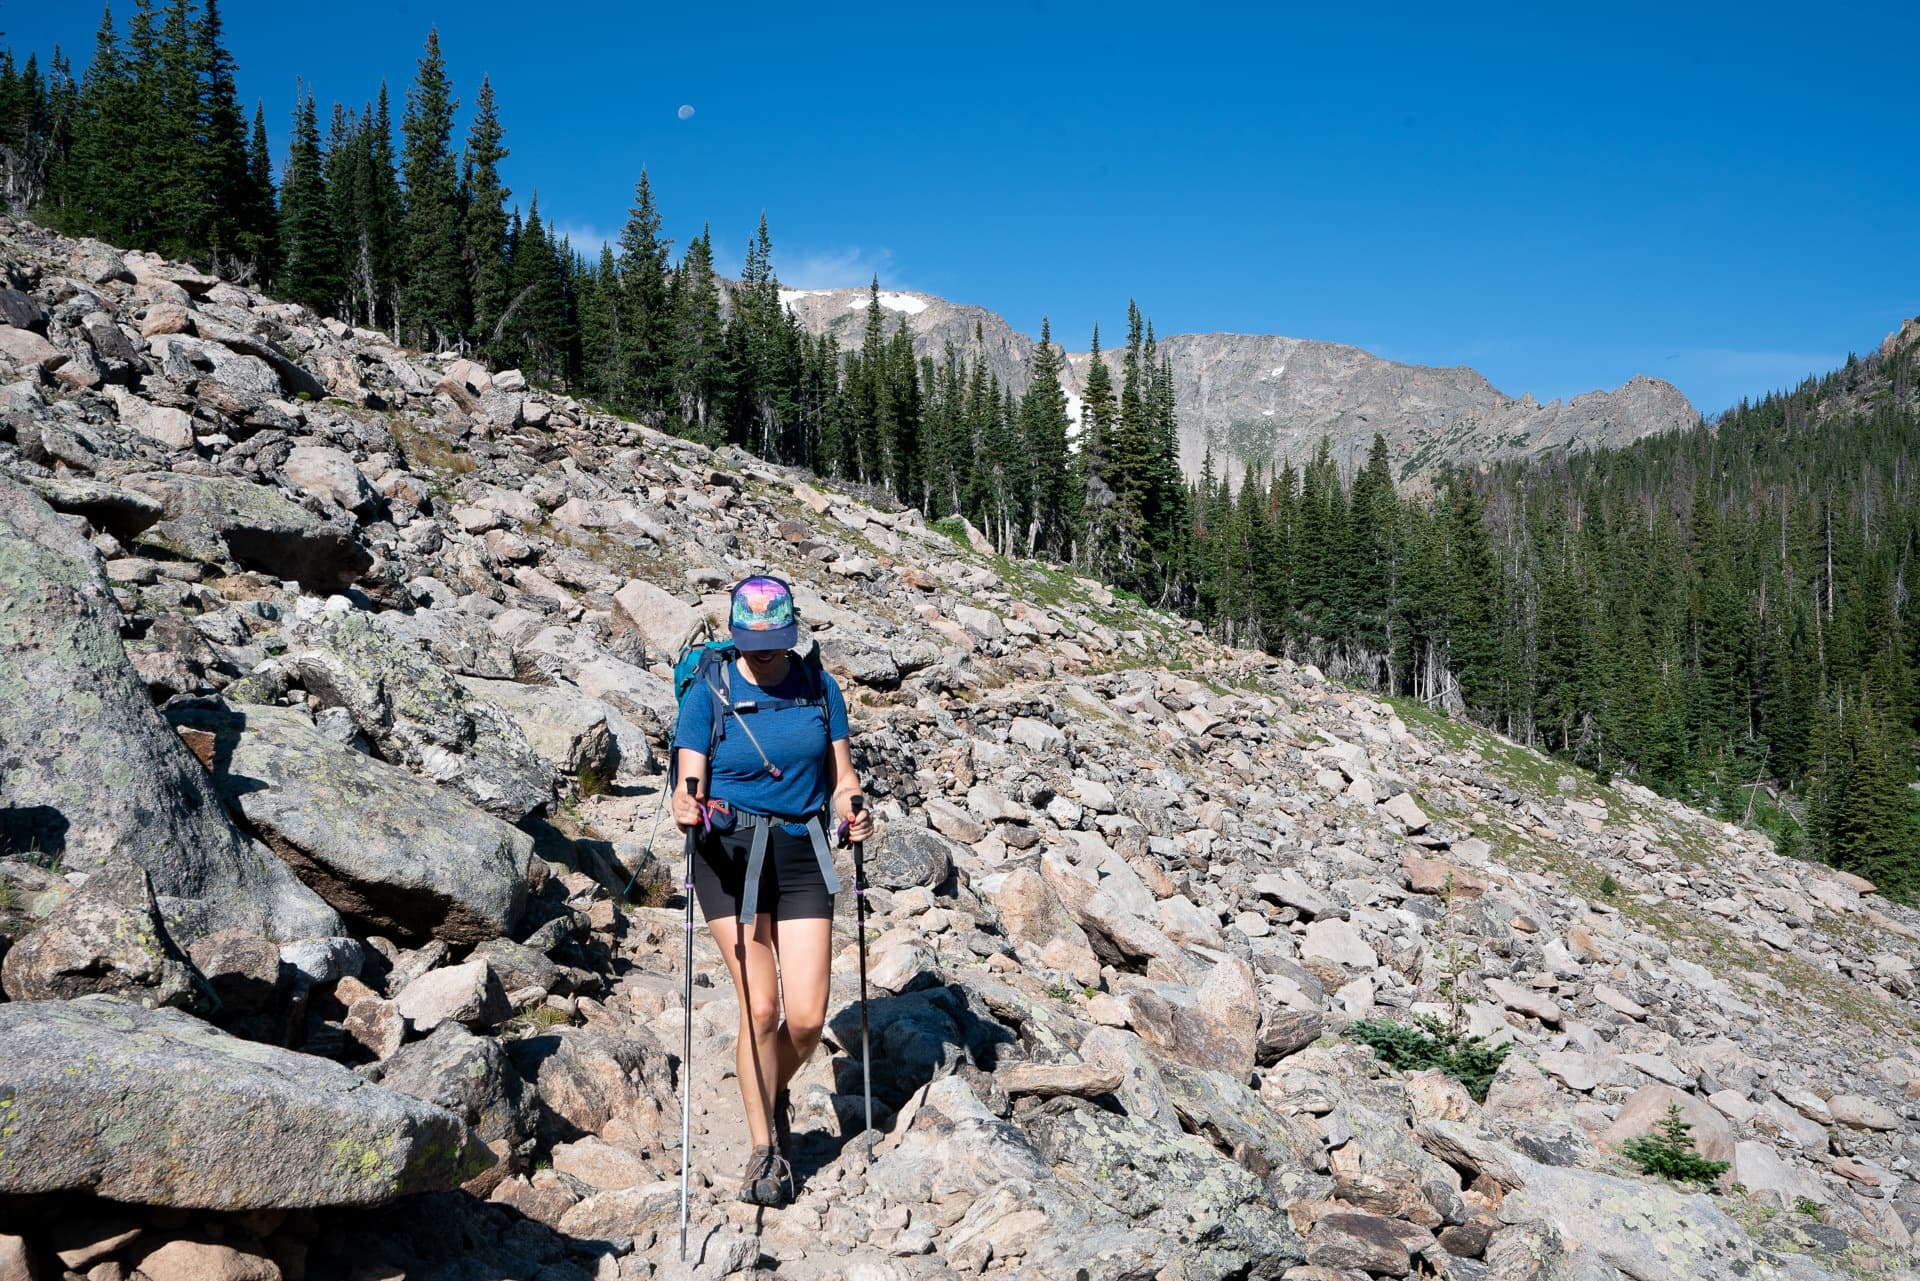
[585, 238]
[849, 268]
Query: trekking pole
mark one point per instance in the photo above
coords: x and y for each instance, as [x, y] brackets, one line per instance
[686, 1041]
[856, 803]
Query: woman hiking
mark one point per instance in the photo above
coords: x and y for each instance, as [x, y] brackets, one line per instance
[764, 738]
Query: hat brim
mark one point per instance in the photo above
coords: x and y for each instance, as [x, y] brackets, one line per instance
[752, 642]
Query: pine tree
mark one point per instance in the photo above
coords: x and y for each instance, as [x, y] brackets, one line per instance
[258, 235]
[433, 297]
[224, 174]
[488, 272]
[1051, 482]
[698, 338]
[646, 317]
[310, 251]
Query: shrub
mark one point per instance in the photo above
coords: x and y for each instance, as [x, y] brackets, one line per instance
[1432, 1044]
[1669, 1152]
[592, 780]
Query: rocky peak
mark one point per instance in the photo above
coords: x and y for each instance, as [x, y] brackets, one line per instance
[1262, 399]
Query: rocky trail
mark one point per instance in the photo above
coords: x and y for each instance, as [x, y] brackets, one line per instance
[334, 692]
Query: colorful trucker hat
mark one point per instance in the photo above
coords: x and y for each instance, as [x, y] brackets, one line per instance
[762, 616]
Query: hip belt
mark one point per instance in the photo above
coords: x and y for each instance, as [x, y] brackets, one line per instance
[759, 825]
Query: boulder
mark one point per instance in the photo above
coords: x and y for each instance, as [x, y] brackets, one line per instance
[182, 1259]
[105, 937]
[1284, 1032]
[1359, 1242]
[656, 615]
[329, 473]
[566, 729]
[864, 658]
[213, 519]
[119, 785]
[586, 1079]
[908, 855]
[1862, 1113]
[119, 512]
[419, 715]
[244, 970]
[471, 1077]
[1638, 1226]
[24, 349]
[393, 854]
[1218, 1031]
[1337, 941]
[469, 995]
[1759, 1168]
[458, 641]
[174, 1112]
[1647, 1108]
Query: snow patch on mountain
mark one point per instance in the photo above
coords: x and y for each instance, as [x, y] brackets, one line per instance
[892, 301]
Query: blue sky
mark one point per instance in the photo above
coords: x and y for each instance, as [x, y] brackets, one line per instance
[1722, 196]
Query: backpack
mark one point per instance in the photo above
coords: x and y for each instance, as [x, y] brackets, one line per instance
[710, 663]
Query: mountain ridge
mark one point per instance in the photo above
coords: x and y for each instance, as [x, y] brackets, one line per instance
[1264, 399]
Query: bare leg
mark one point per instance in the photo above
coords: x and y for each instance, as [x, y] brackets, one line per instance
[757, 1054]
[804, 948]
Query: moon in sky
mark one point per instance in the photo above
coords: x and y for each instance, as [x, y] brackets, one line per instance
[686, 111]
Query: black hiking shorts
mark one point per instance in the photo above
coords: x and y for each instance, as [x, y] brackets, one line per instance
[791, 887]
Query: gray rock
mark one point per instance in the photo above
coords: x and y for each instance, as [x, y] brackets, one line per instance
[323, 961]
[174, 1112]
[120, 512]
[1640, 1227]
[211, 519]
[1285, 1031]
[419, 715]
[243, 969]
[469, 995]
[329, 473]
[864, 658]
[908, 855]
[458, 641]
[393, 854]
[1361, 1242]
[1862, 1113]
[1765, 1173]
[587, 1078]
[111, 780]
[566, 729]
[1332, 939]
[1217, 1031]
[471, 1077]
[106, 937]
[656, 615]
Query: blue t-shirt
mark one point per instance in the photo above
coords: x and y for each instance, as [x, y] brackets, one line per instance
[797, 739]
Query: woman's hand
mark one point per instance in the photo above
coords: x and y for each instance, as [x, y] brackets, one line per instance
[688, 810]
[860, 827]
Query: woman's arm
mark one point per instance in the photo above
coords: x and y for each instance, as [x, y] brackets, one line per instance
[846, 786]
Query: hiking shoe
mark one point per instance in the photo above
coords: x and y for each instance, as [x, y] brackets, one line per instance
[783, 1122]
[767, 1179]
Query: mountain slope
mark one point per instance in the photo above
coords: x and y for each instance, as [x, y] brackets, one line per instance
[1135, 892]
[1261, 400]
